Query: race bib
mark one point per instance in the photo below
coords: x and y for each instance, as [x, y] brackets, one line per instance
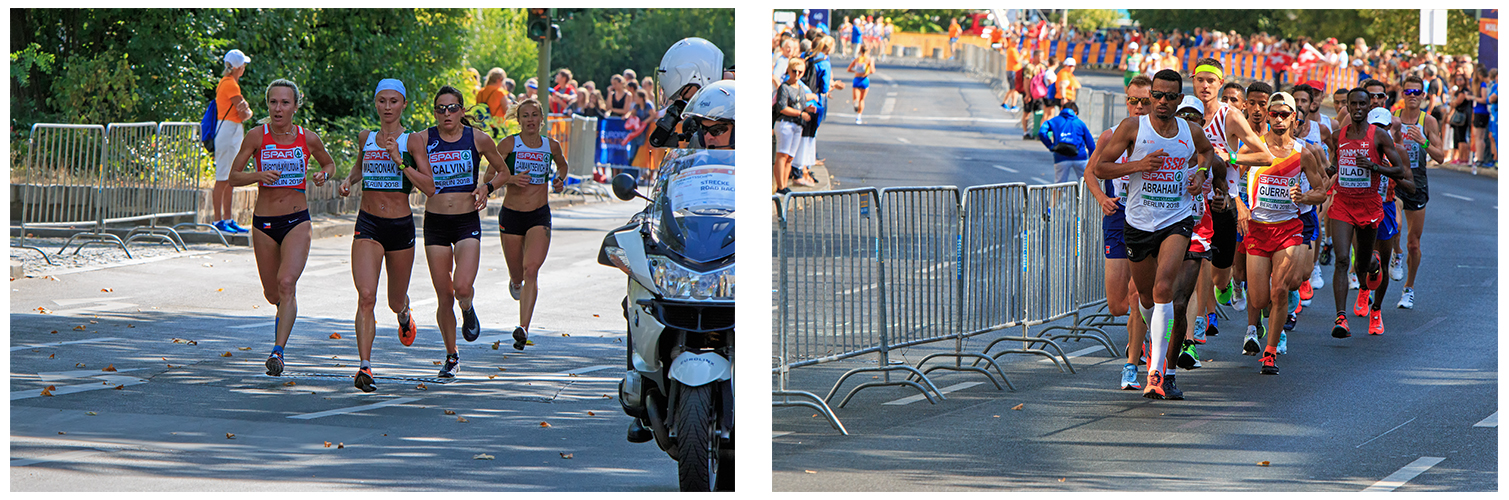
[380, 172]
[1349, 174]
[1273, 192]
[535, 163]
[454, 168]
[289, 163]
[1164, 188]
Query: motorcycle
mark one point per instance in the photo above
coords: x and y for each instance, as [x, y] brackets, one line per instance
[679, 257]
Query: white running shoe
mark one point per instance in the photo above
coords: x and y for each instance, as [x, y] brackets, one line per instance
[514, 289]
[1351, 281]
[1199, 335]
[1283, 343]
[1239, 298]
[1316, 280]
[1396, 268]
[1407, 299]
[1250, 345]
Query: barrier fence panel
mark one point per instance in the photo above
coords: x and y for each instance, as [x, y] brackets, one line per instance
[129, 177]
[176, 192]
[558, 127]
[60, 180]
[920, 248]
[783, 396]
[1063, 259]
[582, 158]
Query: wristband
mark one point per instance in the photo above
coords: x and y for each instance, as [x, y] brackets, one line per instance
[490, 187]
[1425, 144]
[1202, 169]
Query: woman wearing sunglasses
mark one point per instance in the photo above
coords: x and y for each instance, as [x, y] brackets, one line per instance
[525, 218]
[385, 225]
[452, 227]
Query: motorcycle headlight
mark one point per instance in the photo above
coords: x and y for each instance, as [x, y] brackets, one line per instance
[678, 282]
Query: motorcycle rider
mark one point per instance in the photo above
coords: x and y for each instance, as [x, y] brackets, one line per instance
[687, 66]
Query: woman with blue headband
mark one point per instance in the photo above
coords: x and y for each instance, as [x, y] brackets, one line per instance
[385, 224]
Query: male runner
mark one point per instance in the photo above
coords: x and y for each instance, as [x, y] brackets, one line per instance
[1195, 267]
[1276, 232]
[1315, 130]
[1421, 136]
[1161, 195]
[1364, 153]
[1119, 289]
[1378, 98]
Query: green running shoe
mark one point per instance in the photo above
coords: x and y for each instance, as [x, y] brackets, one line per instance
[1223, 294]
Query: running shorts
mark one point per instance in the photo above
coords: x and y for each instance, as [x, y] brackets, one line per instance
[394, 234]
[1359, 212]
[1200, 238]
[1421, 196]
[861, 82]
[1142, 244]
[448, 229]
[1312, 225]
[1264, 239]
[1113, 226]
[278, 226]
[516, 222]
[1389, 227]
[1224, 237]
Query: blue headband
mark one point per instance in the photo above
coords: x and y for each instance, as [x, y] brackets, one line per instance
[391, 84]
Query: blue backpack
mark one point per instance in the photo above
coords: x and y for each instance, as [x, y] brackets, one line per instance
[208, 125]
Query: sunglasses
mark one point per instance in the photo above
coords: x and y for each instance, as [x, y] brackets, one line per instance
[1413, 92]
[1138, 101]
[1282, 115]
[1378, 95]
[1167, 96]
[1192, 117]
[719, 129]
[447, 109]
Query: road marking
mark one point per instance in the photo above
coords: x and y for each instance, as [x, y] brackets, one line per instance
[903, 139]
[99, 304]
[1428, 325]
[1491, 421]
[1078, 353]
[1041, 180]
[886, 77]
[913, 399]
[937, 118]
[588, 369]
[420, 302]
[71, 374]
[1385, 433]
[890, 93]
[1398, 478]
[110, 381]
[39, 346]
[1459, 197]
[888, 106]
[74, 302]
[253, 325]
[58, 457]
[779, 434]
[354, 409]
[1006, 168]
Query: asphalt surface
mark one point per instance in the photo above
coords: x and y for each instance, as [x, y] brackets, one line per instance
[1414, 409]
[187, 417]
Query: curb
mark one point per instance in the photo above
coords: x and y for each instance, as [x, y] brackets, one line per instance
[1492, 173]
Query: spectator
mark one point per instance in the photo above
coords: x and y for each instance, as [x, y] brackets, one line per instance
[789, 104]
[953, 37]
[1068, 85]
[1461, 118]
[1479, 118]
[531, 90]
[492, 95]
[233, 110]
[619, 97]
[564, 93]
[1070, 140]
[508, 85]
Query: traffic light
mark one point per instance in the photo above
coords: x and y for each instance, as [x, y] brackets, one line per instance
[538, 25]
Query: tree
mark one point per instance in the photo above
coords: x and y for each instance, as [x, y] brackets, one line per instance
[1093, 19]
[598, 43]
[497, 41]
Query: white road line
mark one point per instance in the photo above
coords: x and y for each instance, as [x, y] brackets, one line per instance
[15, 348]
[420, 302]
[588, 369]
[253, 325]
[1385, 433]
[74, 302]
[50, 377]
[779, 434]
[110, 381]
[886, 77]
[937, 118]
[1457, 196]
[1041, 180]
[890, 93]
[1078, 353]
[354, 409]
[1006, 168]
[913, 399]
[57, 457]
[1491, 421]
[1398, 478]
[903, 139]
[888, 106]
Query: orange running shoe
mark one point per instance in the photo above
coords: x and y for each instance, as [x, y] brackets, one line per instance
[1341, 331]
[406, 329]
[1305, 291]
[1361, 309]
[1153, 389]
[1375, 323]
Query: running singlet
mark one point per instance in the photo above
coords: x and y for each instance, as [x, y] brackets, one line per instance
[1414, 154]
[290, 161]
[1353, 181]
[1314, 138]
[1268, 188]
[1159, 198]
[455, 163]
[534, 161]
[1215, 131]
[379, 171]
[1118, 186]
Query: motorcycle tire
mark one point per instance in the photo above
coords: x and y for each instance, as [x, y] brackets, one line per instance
[696, 445]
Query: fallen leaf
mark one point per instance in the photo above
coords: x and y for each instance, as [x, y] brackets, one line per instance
[220, 289]
[336, 336]
[78, 365]
[230, 436]
[565, 335]
[450, 412]
[596, 316]
[164, 359]
[90, 413]
[93, 322]
[567, 456]
[995, 416]
[482, 456]
[54, 331]
[46, 392]
[590, 414]
[44, 310]
[226, 355]
[529, 342]
[544, 424]
[110, 368]
[462, 420]
[1263, 463]
[1062, 479]
[501, 369]
[170, 366]
[244, 348]
[289, 383]
[79, 328]
[1017, 407]
[120, 387]
[327, 444]
[52, 388]
[437, 363]
[495, 345]
[571, 374]
[340, 446]
[61, 433]
[810, 471]
[130, 326]
[51, 356]
[107, 290]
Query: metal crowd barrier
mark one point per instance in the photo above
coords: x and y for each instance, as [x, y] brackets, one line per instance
[60, 181]
[783, 396]
[581, 158]
[176, 181]
[126, 185]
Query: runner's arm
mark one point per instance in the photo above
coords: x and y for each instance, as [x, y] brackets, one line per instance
[1237, 128]
[1310, 163]
[317, 150]
[249, 144]
[1395, 168]
[559, 181]
[420, 173]
[1119, 143]
[1204, 153]
[1092, 182]
[356, 165]
[1435, 147]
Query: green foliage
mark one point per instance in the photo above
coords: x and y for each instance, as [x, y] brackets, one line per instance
[909, 20]
[98, 89]
[598, 43]
[497, 41]
[1378, 27]
[23, 61]
[1093, 19]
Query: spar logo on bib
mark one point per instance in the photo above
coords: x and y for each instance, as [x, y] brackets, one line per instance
[283, 154]
[530, 156]
[379, 155]
[1172, 171]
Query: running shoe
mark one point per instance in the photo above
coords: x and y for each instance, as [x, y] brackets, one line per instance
[1341, 331]
[1352, 281]
[1199, 335]
[1154, 387]
[470, 327]
[1375, 278]
[1407, 299]
[1223, 294]
[1361, 308]
[1325, 253]
[1171, 391]
[364, 380]
[1250, 342]
[406, 328]
[275, 364]
[452, 365]
[514, 289]
[1306, 292]
[1316, 280]
[1270, 363]
[1396, 268]
[1210, 325]
[1239, 298]
[520, 336]
[1189, 359]
[1289, 323]
[1375, 323]
[1283, 343]
[1129, 377]
[221, 226]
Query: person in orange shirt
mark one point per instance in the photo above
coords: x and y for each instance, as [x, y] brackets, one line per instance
[1014, 87]
[953, 37]
[233, 110]
[1068, 85]
[995, 37]
[494, 97]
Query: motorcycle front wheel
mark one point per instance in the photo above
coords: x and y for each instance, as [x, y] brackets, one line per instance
[698, 465]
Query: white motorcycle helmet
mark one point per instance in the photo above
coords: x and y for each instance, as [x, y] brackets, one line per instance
[690, 61]
[714, 102]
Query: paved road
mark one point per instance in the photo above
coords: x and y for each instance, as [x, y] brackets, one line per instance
[169, 427]
[1344, 415]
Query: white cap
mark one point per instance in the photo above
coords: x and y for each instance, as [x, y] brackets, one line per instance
[1191, 103]
[1069, 61]
[236, 58]
[1380, 117]
[1132, 46]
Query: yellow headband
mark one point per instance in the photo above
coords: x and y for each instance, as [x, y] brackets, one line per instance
[1212, 69]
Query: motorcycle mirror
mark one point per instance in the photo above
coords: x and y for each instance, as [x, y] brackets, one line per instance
[625, 187]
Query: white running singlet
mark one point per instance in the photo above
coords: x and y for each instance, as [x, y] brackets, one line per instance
[1215, 131]
[1159, 198]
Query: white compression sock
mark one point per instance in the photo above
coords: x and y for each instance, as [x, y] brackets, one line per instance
[1161, 324]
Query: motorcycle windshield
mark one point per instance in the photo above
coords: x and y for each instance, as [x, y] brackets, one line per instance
[696, 204]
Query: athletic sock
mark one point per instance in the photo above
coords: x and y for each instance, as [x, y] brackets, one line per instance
[1147, 313]
[366, 364]
[1158, 330]
[277, 350]
[1169, 371]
